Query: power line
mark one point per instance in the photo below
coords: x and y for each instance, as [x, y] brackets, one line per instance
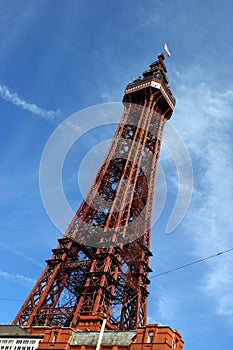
[191, 263]
[162, 273]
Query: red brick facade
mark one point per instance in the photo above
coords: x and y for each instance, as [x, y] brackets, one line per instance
[151, 337]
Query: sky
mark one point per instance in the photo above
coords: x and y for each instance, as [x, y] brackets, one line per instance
[60, 57]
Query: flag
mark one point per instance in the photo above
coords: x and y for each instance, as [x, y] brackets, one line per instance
[167, 50]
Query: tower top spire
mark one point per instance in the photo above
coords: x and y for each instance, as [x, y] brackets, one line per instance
[159, 65]
[156, 74]
[157, 71]
[161, 56]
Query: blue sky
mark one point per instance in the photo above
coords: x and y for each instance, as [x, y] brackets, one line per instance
[58, 57]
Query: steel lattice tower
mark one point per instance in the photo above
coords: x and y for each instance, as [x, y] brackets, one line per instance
[100, 267]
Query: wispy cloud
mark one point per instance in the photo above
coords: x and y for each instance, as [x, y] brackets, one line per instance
[17, 278]
[15, 99]
[204, 117]
[165, 309]
[218, 282]
[14, 251]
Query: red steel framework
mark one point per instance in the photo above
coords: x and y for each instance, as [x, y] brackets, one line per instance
[100, 267]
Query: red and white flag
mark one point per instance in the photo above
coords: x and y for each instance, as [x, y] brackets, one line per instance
[167, 50]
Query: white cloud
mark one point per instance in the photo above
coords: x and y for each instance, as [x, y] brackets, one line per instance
[165, 309]
[15, 99]
[218, 283]
[204, 118]
[107, 95]
[14, 251]
[17, 278]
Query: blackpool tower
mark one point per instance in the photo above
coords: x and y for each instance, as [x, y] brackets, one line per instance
[100, 267]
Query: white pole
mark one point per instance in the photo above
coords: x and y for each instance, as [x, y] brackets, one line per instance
[101, 334]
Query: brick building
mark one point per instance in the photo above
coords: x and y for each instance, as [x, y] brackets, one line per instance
[150, 337]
